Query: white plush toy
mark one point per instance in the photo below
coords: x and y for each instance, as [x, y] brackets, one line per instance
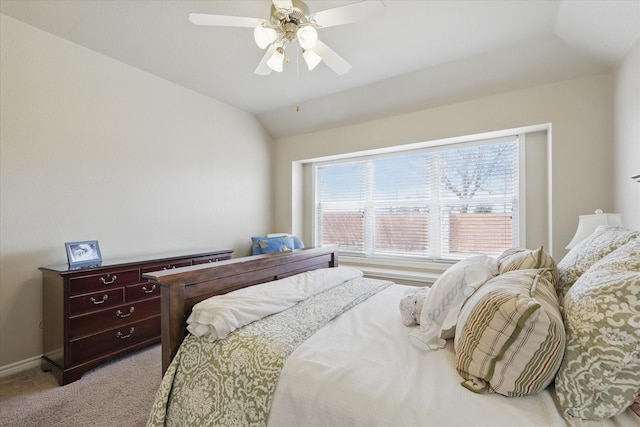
[411, 305]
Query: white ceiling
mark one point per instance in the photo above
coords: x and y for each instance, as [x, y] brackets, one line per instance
[418, 55]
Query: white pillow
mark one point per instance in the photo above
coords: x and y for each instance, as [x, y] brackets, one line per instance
[442, 305]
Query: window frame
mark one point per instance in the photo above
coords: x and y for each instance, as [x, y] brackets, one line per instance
[368, 256]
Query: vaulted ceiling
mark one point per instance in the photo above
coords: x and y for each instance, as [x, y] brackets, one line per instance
[417, 55]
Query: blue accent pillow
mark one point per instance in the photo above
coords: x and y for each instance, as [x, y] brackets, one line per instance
[297, 243]
[267, 245]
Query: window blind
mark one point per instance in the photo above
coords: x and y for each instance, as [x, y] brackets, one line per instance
[478, 199]
[444, 202]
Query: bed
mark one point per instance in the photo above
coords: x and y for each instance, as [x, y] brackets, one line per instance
[360, 358]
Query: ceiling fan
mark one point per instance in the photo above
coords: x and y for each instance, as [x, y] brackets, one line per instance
[291, 22]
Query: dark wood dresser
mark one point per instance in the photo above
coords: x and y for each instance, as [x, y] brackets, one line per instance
[93, 314]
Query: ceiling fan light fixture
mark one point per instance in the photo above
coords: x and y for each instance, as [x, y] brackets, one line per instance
[307, 36]
[311, 58]
[290, 22]
[276, 61]
[264, 36]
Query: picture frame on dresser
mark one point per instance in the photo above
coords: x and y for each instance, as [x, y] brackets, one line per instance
[83, 254]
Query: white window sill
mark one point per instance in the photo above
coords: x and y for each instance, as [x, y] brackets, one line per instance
[402, 272]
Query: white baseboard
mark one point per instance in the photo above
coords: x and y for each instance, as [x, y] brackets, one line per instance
[22, 365]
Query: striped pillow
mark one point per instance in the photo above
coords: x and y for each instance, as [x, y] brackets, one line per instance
[525, 259]
[510, 337]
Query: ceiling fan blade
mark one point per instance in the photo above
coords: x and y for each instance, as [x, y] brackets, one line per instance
[224, 20]
[332, 59]
[350, 13]
[283, 4]
[263, 69]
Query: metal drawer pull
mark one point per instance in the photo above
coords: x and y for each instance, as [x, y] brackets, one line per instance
[110, 282]
[213, 260]
[104, 298]
[148, 291]
[124, 337]
[119, 313]
[169, 267]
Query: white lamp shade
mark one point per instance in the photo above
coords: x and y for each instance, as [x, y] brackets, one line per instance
[311, 58]
[587, 224]
[307, 37]
[264, 36]
[276, 61]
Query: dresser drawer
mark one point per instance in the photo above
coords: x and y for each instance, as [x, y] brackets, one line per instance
[95, 282]
[215, 258]
[141, 291]
[114, 317]
[165, 266]
[96, 301]
[113, 340]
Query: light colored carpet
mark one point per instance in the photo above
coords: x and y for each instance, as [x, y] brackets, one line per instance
[116, 393]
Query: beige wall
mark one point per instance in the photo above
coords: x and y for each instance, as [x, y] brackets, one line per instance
[580, 114]
[91, 148]
[627, 138]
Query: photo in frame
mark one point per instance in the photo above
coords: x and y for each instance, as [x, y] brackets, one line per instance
[83, 254]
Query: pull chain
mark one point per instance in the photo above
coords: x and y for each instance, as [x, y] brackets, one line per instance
[298, 79]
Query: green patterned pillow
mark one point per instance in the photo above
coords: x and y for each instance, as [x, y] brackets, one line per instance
[526, 259]
[604, 240]
[510, 336]
[600, 374]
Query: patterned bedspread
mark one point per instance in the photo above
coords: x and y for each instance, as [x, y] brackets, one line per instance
[231, 381]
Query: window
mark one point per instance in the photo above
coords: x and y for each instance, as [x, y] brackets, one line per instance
[448, 202]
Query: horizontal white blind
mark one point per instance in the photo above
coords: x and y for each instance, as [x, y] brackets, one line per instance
[478, 189]
[398, 217]
[342, 190]
[445, 202]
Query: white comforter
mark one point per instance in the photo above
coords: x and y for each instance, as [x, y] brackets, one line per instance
[216, 317]
[342, 377]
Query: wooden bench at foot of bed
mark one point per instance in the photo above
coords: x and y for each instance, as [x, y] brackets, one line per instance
[182, 288]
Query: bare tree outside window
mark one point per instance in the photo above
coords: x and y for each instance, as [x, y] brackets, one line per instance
[482, 180]
[476, 172]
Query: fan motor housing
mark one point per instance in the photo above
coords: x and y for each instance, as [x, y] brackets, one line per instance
[296, 15]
